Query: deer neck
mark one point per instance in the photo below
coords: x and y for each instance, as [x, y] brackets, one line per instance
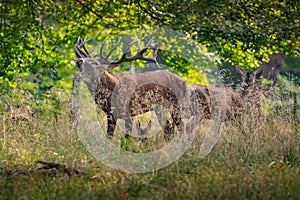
[92, 82]
[109, 81]
[92, 86]
[105, 80]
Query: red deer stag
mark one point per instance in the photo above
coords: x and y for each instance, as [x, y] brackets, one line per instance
[124, 96]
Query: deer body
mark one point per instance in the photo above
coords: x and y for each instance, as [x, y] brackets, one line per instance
[205, 96]
[235, 100]
[132, 95]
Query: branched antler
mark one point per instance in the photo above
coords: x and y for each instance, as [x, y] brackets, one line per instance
[79, 53]
[140, 55]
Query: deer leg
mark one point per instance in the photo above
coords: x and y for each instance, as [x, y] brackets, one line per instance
[177, 119]
[161, 116]
[128, 125]
[168, 130]
[111, 125]
[179, 124]
[168, 127]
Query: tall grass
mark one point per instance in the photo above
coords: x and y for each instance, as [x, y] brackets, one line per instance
[266, 165]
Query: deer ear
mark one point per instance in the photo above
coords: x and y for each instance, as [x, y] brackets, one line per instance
[258, 70]
[240, 69]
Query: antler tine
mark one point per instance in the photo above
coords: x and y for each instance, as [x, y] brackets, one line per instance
[140, 54]
[155, 57]
[101, 49]
[79, 53]
[131, 44]
[139, 45]
[86, 51]
[114, 48]
[123, 57]
[146, 48]
[155, 51]
[150, 42]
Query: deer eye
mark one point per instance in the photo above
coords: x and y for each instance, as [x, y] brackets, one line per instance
[79, 62]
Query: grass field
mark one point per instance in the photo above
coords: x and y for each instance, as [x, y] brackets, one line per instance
[264, 166]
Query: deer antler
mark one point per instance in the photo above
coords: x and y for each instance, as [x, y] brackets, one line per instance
[80, 44]
[102, 57]
[140, 55]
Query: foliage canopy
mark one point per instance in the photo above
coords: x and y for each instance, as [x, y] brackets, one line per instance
[37, 36]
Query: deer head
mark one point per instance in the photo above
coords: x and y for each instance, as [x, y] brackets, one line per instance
[250, 78]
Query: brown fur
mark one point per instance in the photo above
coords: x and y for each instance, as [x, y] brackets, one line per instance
[134, 97]
[208, 98]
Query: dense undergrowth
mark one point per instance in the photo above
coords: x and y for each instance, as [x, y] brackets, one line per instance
[266, 165]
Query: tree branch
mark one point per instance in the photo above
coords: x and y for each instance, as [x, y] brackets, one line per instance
[81, 3]
[146, 11]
